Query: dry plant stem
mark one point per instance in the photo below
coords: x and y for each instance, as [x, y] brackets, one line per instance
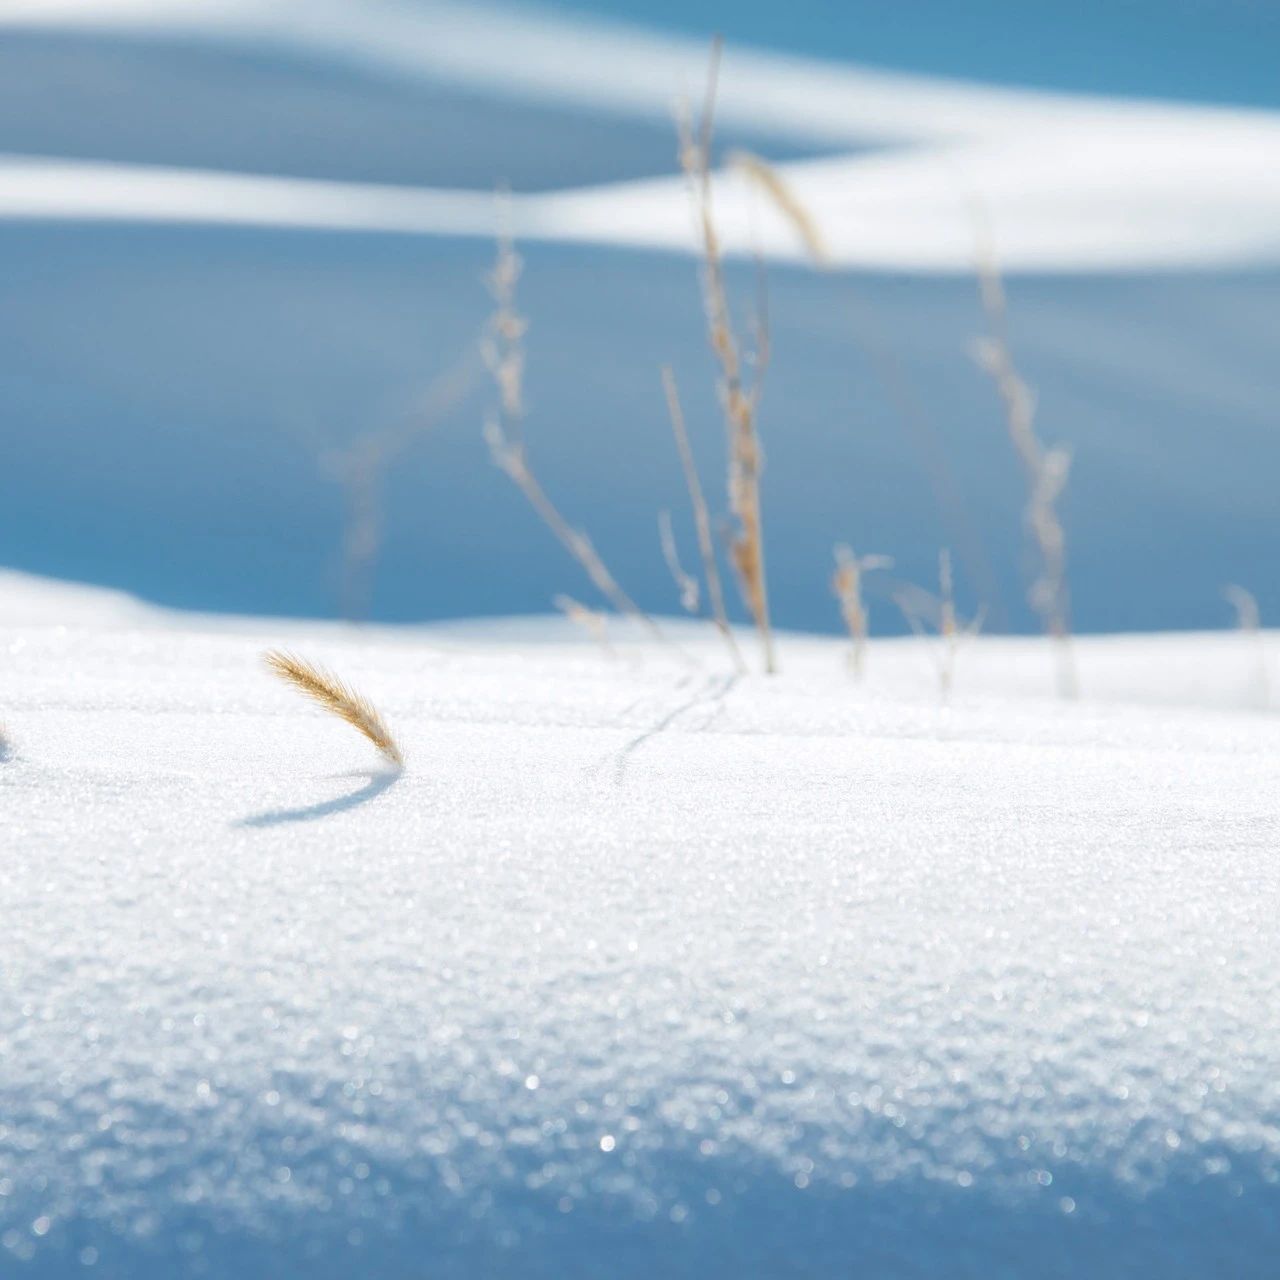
[947, 628]
[337, 697]
[764, 176]
[686, 583]
[1249, 620]
[846, 584]
[951, 632]
[701, 518]
[503, 352]
[360, 469]
[592, 621]
[738, 402]
[1045, 469]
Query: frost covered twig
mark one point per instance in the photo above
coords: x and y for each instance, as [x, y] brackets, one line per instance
[337, 697]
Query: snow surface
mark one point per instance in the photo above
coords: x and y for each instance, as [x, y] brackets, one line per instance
[637, 970]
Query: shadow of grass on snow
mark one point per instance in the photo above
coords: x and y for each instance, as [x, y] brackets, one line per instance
[378, 782]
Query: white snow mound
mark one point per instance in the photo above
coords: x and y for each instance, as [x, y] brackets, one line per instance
[1065, 182]
[638, 969]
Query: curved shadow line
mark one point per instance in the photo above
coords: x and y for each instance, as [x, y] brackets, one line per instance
[709, 693]
[377, 784]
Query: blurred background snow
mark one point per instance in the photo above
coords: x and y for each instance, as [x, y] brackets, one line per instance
[242, 257]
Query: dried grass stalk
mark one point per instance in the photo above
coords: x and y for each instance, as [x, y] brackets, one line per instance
[764, 176]
[846, 584]
[1249, 620]
[740, 402]
[686, 584]
[918, 605]
[592, 621]
[503, 351]
[337, 697]
[701, 517]
[1046, 470]
[361, 468]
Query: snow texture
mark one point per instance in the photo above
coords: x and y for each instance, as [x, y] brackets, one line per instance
[638, 969]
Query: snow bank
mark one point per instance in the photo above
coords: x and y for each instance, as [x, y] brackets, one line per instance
[637, 970]
[1068, 183]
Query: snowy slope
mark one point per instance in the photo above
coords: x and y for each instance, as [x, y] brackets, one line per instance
[637, 970]
[1069, 183]
[236, 237]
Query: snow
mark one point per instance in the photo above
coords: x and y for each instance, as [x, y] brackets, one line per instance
[1067, 183]
[637, 969]
[196, 306]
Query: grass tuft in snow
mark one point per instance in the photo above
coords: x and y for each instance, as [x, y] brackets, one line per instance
[337, 697]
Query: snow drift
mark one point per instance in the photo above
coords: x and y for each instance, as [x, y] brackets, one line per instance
[639, 969]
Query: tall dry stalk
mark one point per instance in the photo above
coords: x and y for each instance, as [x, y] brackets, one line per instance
[361, 468]
[503, 351]
[337, 697]
[846, 585]
[1046, 469]
[739, 401]
[592, 621]
[686, 584]
[918, 605]
[701, 517]
[1249, 621]
[762, 175]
